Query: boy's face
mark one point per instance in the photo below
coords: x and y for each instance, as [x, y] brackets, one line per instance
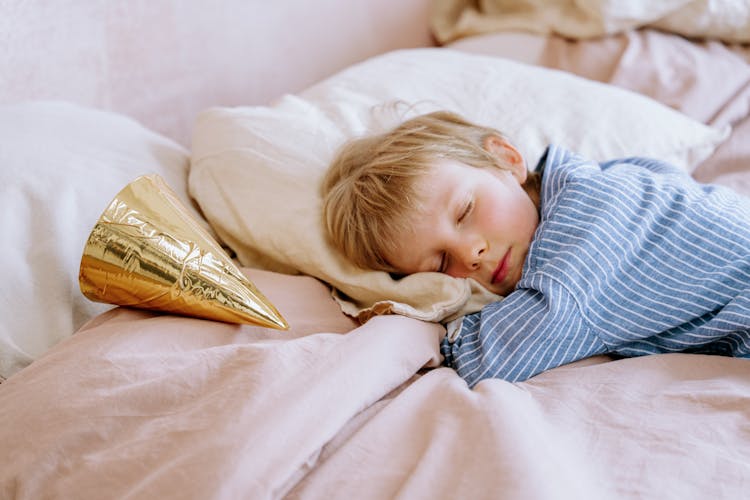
[474, 223]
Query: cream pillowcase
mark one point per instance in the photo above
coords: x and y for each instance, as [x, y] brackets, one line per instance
[256, 170]
[727, 20]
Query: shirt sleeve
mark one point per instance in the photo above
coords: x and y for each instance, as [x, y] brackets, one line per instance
[652, 257]
[526, 333]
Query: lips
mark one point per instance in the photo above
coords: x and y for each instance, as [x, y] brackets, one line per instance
[501, 271]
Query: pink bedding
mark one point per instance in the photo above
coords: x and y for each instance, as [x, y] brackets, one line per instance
[142, 405]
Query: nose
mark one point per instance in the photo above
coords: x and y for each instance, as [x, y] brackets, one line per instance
[471, 252]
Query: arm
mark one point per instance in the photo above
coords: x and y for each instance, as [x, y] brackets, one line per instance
[526, 333]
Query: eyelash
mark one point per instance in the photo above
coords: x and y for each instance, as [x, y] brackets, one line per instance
[443, 257]
[443, 263]
[466, 211]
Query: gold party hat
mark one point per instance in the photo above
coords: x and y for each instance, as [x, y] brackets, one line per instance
[147, 251]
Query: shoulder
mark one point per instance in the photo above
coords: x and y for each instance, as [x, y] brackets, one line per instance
[559, 165]
[567, 175]
[560, 170]
[651, 165]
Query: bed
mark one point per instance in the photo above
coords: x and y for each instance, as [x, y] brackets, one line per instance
[239, 109]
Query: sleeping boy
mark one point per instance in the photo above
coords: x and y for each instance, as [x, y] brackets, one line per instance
[628, 257]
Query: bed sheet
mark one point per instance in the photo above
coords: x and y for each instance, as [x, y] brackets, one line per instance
[144, 405]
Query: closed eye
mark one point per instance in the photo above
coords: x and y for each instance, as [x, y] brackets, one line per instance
[443, 263]
[466, 211]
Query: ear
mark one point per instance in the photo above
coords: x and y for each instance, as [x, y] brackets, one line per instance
[506, 156]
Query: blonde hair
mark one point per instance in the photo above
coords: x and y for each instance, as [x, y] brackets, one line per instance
[370, 190]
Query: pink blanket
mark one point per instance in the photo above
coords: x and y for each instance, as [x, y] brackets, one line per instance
[140, 405]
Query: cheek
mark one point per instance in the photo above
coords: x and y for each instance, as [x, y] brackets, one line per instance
[498, 215]
[513, 214]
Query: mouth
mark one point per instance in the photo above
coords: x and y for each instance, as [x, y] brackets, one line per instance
[501, 271]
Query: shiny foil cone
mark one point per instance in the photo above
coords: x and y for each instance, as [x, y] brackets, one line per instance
[147, 251]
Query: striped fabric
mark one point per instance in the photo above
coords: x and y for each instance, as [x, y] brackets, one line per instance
[631, 257]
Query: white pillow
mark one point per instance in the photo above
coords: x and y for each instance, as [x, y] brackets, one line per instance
[61, 166]
[727, 20]
[256, 170]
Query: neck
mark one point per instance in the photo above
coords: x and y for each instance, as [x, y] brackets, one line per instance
[533, 186]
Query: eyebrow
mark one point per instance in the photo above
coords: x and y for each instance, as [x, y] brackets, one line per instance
[454, 201]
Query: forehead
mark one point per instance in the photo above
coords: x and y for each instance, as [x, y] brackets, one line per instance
[435, 192]
[432, 189]
[442, 176]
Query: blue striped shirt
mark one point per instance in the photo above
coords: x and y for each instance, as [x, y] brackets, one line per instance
[631, 257]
